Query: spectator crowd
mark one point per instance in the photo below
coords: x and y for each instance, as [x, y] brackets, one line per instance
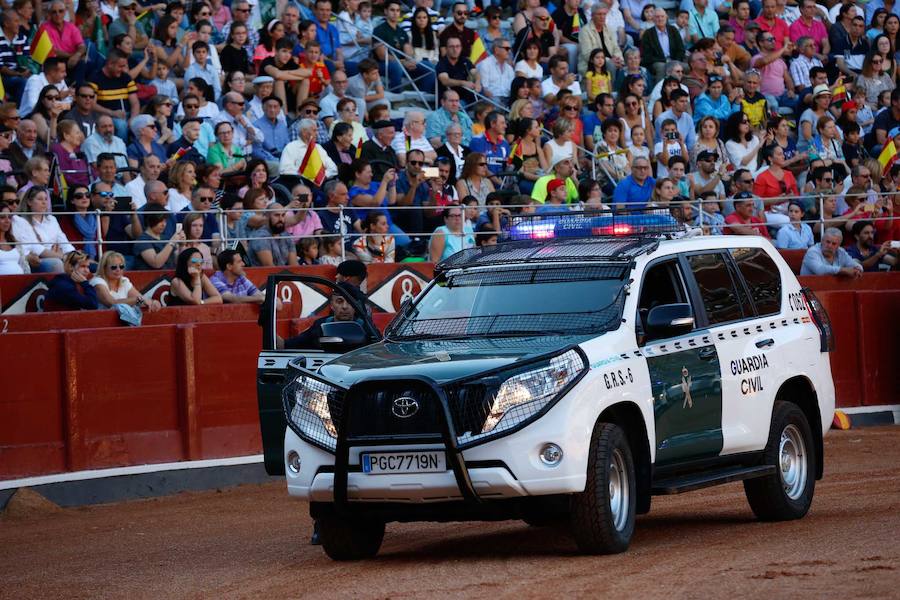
[209, 135]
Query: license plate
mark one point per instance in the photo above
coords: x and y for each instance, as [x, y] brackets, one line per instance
[385, 463]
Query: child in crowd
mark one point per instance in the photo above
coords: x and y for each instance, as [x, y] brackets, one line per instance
[670, 145]
[291, 83]
[637, 146]
[319, 79]
[710, 215]
[363, 20]
[677, 171]
[308, 251]
[854, 152]
[164, 86]
[646, 21]
[330, 250]
[598, 79]
[481, 110]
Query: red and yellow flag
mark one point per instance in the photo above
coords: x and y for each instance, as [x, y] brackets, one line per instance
[478, 52]
[576, 23]
[517, 150]
[2, 90]
[41, 47]
[839, 95]
[312, 167]
[887, 157]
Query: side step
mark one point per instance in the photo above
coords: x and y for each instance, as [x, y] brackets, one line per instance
[696, 481]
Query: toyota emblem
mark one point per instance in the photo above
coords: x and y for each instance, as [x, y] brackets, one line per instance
[404, 407]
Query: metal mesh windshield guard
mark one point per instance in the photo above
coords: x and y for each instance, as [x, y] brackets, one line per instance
[568, 323]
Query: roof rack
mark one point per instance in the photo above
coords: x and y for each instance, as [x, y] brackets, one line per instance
[584, 236]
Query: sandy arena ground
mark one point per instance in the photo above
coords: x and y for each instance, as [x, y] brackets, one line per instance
[252, 542]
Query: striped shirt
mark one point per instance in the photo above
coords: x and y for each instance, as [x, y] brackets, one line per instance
[112, 93]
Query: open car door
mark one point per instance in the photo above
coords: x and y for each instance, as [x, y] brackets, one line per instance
[293, 300]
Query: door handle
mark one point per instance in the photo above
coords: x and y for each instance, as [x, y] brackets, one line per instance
[271, 377]
[766, 343]
[707, 354]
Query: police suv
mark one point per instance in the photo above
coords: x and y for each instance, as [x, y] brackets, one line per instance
[558, 378]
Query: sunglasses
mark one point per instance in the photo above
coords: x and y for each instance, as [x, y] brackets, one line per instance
[87, 96]
[105, 194]
[312, 111]
[416, 163]
[484, 164]
[462, 13]
[78, 195]
[207, 198]
[51, 97]
[240, 10]
[191, 106]
[196, 261]
[570, 108]
[241, 103]
[116, 267]
[747, 181]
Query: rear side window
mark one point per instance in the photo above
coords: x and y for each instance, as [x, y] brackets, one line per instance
[716, 287]
[762, 277]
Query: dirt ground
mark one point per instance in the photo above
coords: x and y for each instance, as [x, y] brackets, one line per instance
[252, 542]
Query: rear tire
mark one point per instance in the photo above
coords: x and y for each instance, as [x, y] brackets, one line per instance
[348, 539]
[602, 516]
[786, 494]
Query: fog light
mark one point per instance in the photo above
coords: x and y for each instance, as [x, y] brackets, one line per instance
[293, 460]
[551, 455]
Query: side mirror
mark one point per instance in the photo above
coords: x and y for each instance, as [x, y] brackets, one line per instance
[342, 336]
[669, 320]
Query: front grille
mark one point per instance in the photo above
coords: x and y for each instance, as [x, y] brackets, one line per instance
[387, 410]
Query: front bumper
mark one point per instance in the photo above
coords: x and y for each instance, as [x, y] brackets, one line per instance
[506, 467]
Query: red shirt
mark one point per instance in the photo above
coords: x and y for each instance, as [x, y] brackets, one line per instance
[766, 186]
[759, 224]
[319, 78]
[780, 30]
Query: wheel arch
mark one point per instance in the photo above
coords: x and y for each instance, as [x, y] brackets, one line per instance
[800, 391]
[629, 417]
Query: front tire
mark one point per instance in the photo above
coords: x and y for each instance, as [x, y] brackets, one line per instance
[786, 494]
[602, 516]
[348, 539]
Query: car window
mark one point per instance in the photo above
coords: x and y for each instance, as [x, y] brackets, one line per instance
[662, 284]
[762, 277]
[717, 290]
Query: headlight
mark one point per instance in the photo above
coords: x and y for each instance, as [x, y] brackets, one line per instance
[313, 408]
[523, 395]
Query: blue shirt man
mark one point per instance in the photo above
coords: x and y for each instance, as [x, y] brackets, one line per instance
[493, 144]
[275, 131]
[635, 190]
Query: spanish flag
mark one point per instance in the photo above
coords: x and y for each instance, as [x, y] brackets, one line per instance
[478, 52]
[42, 47]
[2, 90]
[517, 150]
[576, 23]
[839, 95]
[887, 157]
[312, 167]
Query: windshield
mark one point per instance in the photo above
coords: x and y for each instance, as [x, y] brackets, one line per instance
[550, 300]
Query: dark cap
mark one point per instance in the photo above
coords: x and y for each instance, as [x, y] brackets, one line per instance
[353, 268]
[708, 155]
[308, 102]
[191, 120]
[743, 196]
[752, 25]
[382, 124]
